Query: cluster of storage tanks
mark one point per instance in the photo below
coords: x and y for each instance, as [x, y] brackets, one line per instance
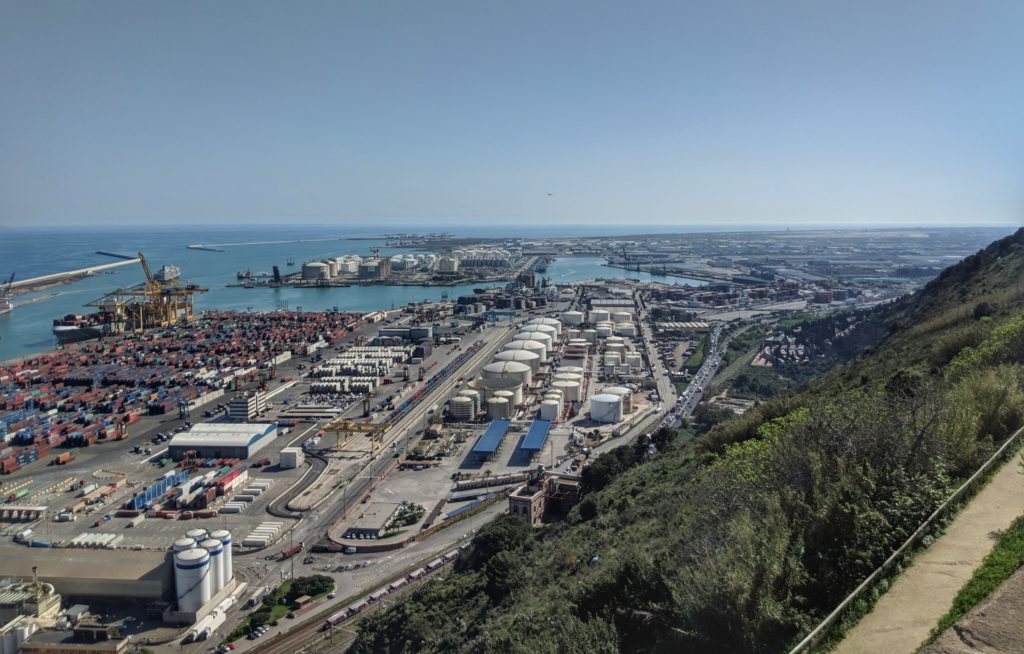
[483, 257]
[504, 381]
[411, 261]
[605, 323]
[331, 268]
[202, 567]
[611, 404]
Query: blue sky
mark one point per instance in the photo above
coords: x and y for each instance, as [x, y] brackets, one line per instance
[674, 113]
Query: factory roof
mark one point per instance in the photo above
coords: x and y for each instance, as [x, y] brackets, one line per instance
[376, 516]
[225, 434]
[536, 436]
[488, 443]
[74, 563]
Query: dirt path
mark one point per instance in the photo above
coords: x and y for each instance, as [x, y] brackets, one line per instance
[905, 615]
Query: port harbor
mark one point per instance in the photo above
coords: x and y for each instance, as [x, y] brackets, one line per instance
[168, 475]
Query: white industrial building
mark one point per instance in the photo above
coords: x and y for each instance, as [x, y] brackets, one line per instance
[223, 440]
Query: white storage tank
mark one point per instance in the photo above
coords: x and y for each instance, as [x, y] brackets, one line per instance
[529, 346]
[604, 330]
[625, 393]
[589, 335]
[599, 315]
[613, 358]
[508, 370]
[473, 395]
[568, 376]
[570, 390]
[192, 579]
[545, 329]
[572, 318]
[550, 322]
[197, 534]
[498, 408]
[183, 544]
[576, 369]
[557, 398]
[622, 316]
[215, 549]
[606, 408]
[531, 359]
[315, 270]
[508, 396]
[332, 267]
[549, 410]
[224, 536]
[625, 329]
[462, 408]
[541, 337]
[634, 360]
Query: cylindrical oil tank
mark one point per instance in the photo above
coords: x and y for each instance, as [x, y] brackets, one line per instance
[462, 408]
[224, 536]
[183, 544]
[570, 390]
[599, 315]
[215, 549]
[489, 386]
[589, 335]
[498, 408]
[549, 410]
[606, 408]
[315, 270]
[197, 534]
[551, 322]
[568, 376]
[557, 398]
[192, 579]
[541, 337]
[634, 360]
[604, 330]
[530, 346]
[572, 318]
[622, 316]
[545, 329]
[625, 393]
[508, 370]
[576, 369]
[579, 342]
[613, 357]
[573, 333]
[619, 348]
[474, 395]
[625, 329]
[531, 359]
[332, 267]
[508, 396]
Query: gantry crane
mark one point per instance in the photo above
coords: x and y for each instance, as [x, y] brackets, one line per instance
[5, 288]
[150, 304]
[342, 426]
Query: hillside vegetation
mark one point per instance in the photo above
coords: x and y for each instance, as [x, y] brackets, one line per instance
[741, 540]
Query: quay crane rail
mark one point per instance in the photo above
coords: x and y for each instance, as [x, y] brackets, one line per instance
[341, 426]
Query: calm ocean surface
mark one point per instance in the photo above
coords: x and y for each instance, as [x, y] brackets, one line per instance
[31, 253]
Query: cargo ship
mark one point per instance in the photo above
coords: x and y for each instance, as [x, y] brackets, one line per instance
[75, 327]
[167, 274]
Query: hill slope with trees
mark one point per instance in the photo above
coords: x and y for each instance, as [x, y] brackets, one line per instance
[741, 540]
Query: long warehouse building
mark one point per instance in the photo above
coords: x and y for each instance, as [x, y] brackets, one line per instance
[223, 440]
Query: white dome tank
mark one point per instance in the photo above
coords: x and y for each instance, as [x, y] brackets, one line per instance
[540, 337]
[224, 536]
[192, 579]
[536, 347]
[572, 318]
[589, 335]
[599, 315]
[604, 330]
[625, 393]
[508, 370]
[551, 322]
[197, 534]
[570, 390]
[183, 544]
[622, 316]
[568, 376]
[215, 549]
[474, 395]
[625, 329]
[545, 329]
[576, 369]
[606, 408]
[531, 359]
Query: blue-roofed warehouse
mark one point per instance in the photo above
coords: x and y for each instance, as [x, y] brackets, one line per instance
[487, 445]
[536, 437]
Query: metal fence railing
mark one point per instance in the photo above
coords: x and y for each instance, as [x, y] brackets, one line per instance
[823, 629]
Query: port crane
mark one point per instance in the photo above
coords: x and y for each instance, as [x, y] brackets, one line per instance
[342, 427]
[153, 303]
